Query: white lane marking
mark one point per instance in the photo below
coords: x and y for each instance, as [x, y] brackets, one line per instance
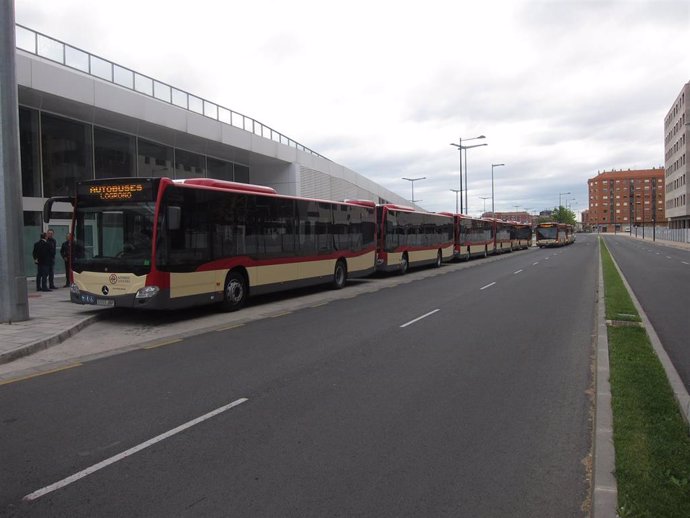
[487, 286]
[535, 264]
[515, 273]
[684, 262]
[107, 462]
[668, 257]
[419, 318]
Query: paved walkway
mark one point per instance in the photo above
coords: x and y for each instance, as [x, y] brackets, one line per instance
[52, 319]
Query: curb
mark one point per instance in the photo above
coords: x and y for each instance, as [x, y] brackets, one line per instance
[45, 343]
[605, 487]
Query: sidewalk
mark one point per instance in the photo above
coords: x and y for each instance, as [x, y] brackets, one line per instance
[52, 319]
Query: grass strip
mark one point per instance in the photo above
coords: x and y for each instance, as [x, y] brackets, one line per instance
[650, 436]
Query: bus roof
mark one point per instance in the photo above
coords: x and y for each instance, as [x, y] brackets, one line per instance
[225, 184]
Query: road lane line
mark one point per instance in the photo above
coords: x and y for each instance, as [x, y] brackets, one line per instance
[161, 344]
[515, 273]
[419, 318]
[42, 373]
[228, 327]
[668, 257]
[684, 262]
[107, 462]
[535, 264]
[487, 286]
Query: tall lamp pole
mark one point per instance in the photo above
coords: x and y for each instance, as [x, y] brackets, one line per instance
[559, 198]
[484, 198]
[412, 181]
[460, 149]
[493, 210]
[456, 191]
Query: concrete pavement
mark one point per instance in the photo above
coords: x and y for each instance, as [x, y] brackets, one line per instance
[52, 319]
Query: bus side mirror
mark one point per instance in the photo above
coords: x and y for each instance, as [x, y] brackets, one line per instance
[174, 217]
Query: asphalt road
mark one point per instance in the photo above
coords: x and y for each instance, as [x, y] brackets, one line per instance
[660, 276]
[464, 394]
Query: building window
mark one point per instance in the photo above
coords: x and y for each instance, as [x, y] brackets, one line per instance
[241, 173]
[29, 152]
[154, 159]
[113, 154]
[67, 154]
[220, 170]
[189, 165]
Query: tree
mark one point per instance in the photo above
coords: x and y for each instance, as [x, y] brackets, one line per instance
[564, 215]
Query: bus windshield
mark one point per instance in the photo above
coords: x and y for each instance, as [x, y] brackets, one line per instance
[547, 232]
[113, 238]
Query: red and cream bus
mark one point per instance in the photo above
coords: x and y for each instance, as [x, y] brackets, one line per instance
[408, 238]
[521, 236]
[157, 243]
[473, 237]
[554, 234]
[503, 241]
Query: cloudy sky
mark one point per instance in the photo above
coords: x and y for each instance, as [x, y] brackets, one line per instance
[561, 89]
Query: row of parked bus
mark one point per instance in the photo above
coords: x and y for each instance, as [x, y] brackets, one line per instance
[159, 243]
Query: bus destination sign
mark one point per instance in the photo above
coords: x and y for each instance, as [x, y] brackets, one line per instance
[116, 191]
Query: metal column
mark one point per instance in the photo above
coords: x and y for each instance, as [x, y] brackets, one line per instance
[14, 304]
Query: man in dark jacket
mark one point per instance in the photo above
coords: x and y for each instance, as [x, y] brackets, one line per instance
[53, 252]
[42, 259]
[64, 253]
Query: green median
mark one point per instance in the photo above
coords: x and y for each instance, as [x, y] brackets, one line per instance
[651, 438]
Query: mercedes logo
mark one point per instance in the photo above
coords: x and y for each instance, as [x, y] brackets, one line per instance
[105, 290]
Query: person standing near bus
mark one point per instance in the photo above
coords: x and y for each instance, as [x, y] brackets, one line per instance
[65, 254]
[53, 252]
[42, 259]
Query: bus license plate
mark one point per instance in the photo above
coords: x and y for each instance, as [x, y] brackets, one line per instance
[90, 299]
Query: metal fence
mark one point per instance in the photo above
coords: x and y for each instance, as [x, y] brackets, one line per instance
[677, 235]
[46, 47]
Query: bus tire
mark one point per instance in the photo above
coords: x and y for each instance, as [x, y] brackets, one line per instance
[404, 264]
[339, 275]
[235, 292]
[439, 260]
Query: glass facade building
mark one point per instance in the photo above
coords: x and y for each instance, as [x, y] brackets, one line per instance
[57, 152]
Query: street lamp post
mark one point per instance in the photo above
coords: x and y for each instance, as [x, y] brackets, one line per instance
[493, 210]
[484, 198]
[456, 191]
[460, 149]
[559, 198]
[412, 181]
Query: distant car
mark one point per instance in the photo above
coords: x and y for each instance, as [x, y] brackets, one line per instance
[626, 229]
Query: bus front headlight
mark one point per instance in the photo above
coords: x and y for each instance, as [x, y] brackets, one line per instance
[147, 292]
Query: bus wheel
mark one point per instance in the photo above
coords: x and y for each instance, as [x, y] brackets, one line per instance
[339, 275]
[404, 264]
[235, 292]
[439, 260]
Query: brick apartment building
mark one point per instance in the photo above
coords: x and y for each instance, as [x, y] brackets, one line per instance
[519, 216]
[619, 200]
